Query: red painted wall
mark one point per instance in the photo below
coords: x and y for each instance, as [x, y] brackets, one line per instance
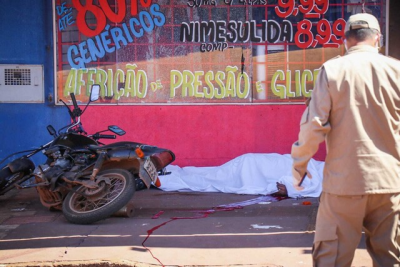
[204, 135]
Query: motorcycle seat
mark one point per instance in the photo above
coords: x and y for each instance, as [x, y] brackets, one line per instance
[147, 149]
[117, 145]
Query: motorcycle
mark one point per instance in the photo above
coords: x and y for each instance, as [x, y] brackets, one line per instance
[87, 180]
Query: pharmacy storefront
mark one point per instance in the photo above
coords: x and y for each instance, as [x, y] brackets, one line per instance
[199, 56]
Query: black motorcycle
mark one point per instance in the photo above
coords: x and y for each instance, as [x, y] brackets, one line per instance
[87, 180]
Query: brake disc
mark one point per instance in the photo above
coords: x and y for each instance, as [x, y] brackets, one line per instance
[103, 184]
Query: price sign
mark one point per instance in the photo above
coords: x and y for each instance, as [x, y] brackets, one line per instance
[102, 12]
[329, 34]
[310, 8]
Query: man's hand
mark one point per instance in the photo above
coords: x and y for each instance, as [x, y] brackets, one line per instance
[297, 177]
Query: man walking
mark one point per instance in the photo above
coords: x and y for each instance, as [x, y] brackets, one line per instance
[355, 106]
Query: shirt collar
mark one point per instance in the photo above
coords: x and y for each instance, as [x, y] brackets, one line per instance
[362, 48]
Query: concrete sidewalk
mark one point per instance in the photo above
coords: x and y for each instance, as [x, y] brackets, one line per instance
[262, 234]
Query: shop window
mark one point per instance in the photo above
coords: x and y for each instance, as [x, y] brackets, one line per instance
[199, 51]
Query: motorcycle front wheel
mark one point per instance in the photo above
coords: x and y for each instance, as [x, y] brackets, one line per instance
[85, 206]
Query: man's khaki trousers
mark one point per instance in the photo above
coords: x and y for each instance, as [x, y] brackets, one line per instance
[340, 222]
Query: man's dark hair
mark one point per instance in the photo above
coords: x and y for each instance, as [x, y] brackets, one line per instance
[361, 35]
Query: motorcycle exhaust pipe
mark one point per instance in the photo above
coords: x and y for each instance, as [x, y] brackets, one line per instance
[126, 211]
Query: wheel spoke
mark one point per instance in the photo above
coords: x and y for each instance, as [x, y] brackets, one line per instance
[85, 204]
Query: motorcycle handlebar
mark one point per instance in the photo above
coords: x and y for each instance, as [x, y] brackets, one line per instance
[104, 136]
[74, 101]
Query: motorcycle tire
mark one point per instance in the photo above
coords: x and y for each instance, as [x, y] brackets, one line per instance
[8, 179]
[4, 174]
[85, 206]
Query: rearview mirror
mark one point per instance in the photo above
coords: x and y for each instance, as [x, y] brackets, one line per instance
[94, 92]
[51, 130]
[115, 129]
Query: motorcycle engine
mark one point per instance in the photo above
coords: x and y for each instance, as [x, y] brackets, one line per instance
[60, 160]
[55, 166]
[62, 163]
[81, 159]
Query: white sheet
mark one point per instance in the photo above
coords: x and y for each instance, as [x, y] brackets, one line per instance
[254, 174]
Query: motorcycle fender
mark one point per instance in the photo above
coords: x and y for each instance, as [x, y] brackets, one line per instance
[118, 155]
[21, 165]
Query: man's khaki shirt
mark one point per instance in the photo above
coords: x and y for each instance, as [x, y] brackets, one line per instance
[355, 106]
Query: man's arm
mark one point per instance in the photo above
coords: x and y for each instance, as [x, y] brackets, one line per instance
[314, 125]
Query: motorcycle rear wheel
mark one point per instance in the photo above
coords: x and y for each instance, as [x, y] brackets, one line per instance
[81, 206]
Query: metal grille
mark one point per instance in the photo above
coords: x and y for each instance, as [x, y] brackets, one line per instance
[17, 76]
